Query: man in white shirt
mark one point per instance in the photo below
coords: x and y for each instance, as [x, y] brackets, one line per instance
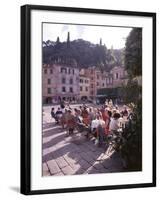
[114, 123]
[94, 124]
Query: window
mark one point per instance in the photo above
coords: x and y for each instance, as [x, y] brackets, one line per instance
[63, 89]
[63, 70]
[45, 71]
[73, 71]
[97, 83]
[116, 75]
[71, 81]
[107, 81]
[51, 71]
[49, 81]
[86, 89]
[63, 80]
[69, 71]
[71, 89]
[103, 84]
[97, 76]
[49, 90]
[81, 80]
[91, 85]
[81, 88]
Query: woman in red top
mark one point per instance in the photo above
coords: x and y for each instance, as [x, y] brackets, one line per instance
[106, 117]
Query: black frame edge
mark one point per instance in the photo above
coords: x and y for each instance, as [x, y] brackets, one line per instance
[25, 101]
[154, 99]
[89, 189]
[89, 10]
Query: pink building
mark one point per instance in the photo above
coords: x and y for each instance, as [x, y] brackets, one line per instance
[60, 81]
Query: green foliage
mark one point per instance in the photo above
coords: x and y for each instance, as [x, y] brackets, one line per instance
[133, 52]
[131, 149]
[119, 56]
[131, 92]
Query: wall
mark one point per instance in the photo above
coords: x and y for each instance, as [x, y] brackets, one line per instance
[10, 99]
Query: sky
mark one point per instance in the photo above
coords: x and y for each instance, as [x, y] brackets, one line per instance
[111, 36]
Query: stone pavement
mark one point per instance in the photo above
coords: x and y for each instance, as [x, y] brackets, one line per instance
[74, 154]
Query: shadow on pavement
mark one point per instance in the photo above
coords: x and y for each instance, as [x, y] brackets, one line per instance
[80, 154]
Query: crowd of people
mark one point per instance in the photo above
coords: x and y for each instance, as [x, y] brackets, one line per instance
[95, 122]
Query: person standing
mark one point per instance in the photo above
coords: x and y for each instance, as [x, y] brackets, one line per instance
[101, 130]
[71, 122]
[114, 123]
[85, 116]
[124, 111]
[58, 115]
[52, 113]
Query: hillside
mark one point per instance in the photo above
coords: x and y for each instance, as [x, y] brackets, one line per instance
[81, 52]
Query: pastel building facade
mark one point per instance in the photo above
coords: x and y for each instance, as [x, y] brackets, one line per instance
[65, 82]
[60, 82]
[84, 85]
[49, 84]
[97, 80]
[90, 73]
[101, 76]
[116, 77]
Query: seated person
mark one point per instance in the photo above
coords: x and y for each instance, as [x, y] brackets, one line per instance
[58, 115]
[64, 118]
[85, 116]
[71, 122]
[94, 125]
[101, 130]
[79, 121]
[125, 111]
[53, 113]
[114, 123]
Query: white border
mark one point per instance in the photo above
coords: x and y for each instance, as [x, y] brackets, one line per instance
[37, 181]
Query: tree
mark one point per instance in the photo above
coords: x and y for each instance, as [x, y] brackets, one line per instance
[58, 40]
[133, 52]
[132, 92]
[131, 149]
[118, 57]
[85, 53]
[68, 39]
[100, 42]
